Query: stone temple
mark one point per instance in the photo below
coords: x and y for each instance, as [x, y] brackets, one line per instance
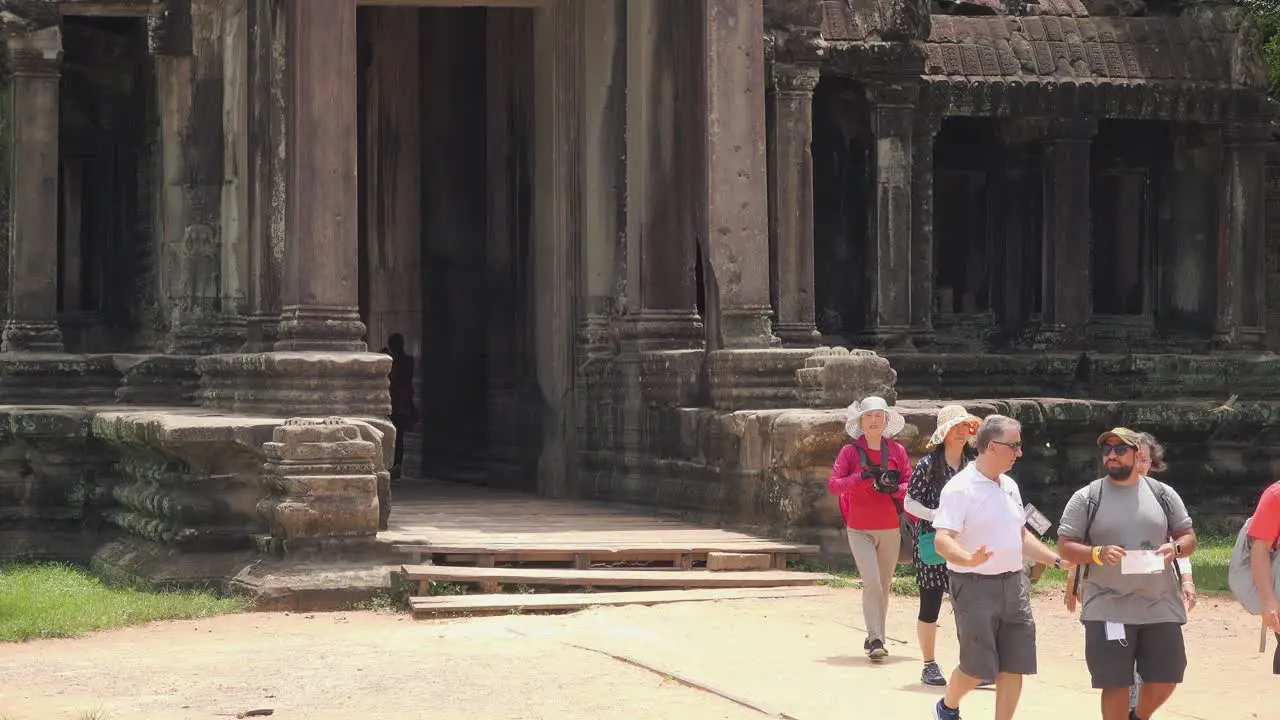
[644, 251]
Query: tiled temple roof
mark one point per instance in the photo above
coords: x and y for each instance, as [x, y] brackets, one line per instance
[1056, 40]
[1048, 47]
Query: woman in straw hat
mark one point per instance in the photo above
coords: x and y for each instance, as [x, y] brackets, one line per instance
[951, 450]
[869, 476]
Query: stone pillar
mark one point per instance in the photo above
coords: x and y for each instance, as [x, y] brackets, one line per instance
[32, 321]
[791, 206]
[557, 233]
[893, 109]
[321, 285]
[734, 227]
[660, 301]
[1066, 302]
[1240, 320]
[928, 123]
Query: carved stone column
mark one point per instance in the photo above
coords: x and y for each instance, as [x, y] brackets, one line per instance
[791, 206]
[928, 123]
[735, 223]
[660, 306]
[1240, 320]
[32, 320]
[1066, 301]
[321, 294]
[893, 108]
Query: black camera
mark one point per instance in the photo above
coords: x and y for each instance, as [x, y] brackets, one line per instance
[885, 481]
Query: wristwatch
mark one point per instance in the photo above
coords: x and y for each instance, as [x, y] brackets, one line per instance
[1057, 563]
[1177, 550]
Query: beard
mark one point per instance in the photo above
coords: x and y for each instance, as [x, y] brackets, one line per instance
[1118, 471]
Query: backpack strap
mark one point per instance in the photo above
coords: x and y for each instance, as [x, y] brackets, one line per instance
[1092, 501]
[1161, 491]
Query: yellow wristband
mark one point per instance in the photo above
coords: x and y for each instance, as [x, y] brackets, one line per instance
[1097, 555]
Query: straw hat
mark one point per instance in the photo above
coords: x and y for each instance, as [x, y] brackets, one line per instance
[872, 404]
[948, 417]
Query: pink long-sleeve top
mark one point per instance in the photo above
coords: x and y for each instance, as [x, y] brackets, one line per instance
[864, 507]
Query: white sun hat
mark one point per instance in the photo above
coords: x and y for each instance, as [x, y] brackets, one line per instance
[948, 417]
[870, 404]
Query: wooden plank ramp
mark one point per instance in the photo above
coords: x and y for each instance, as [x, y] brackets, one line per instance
[617, 578]
[448, 604]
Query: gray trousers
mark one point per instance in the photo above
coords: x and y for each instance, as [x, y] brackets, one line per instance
[876, 554]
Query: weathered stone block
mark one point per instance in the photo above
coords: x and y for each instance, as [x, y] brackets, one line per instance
[297, 383]
[57, 379]
[186, 480]
[755, 378]
[738, 561]
[836, 377]
[170, 380]
[323, 480]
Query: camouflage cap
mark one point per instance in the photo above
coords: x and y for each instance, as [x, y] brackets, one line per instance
[1124, 435]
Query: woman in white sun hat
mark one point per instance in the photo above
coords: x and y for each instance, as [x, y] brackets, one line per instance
[870, 475]
[951, 450]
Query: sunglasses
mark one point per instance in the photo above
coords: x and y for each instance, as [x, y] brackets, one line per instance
[1119, 449]
[1015, 446]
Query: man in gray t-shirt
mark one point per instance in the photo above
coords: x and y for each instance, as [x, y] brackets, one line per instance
[1132, 614]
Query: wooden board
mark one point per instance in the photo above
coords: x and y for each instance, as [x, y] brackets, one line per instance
[619, 578]
[447, 518]
[571, 601]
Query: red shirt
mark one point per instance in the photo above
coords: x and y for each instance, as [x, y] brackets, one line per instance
[1266, 519]
[864, 507]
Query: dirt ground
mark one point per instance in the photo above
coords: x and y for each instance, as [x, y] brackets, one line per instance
[798, 658]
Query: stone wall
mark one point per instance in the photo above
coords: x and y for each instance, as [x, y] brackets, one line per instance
[766, 470]
[179, 497]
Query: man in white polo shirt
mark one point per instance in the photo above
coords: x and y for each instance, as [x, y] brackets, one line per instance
[982, 535]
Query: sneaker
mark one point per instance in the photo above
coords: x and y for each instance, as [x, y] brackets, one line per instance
[876, 650]
[866, 644]
[942, 712]
[932, 675]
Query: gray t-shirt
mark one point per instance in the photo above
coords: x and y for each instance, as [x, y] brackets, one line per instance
[1131, 517]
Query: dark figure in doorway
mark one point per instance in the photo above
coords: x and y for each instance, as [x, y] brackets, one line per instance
[404, 415]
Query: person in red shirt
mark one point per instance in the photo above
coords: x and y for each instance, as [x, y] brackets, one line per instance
[1264, 532]
[869, 504]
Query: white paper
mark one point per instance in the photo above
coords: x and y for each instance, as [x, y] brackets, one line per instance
[1141, 562]
[1115, 631]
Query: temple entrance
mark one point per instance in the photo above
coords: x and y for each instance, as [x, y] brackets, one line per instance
[103, 181]
[445, 155]
[841, 189]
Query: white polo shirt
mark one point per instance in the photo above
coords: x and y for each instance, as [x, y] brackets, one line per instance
[983, 512]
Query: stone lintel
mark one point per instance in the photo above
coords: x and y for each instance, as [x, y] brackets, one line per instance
[646, 330]
[297, 383]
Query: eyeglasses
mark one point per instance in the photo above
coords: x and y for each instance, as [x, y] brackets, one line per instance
[1014, 446]
[1120, 450]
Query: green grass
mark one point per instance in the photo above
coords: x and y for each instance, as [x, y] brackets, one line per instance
[51, 601]
[1209, 564]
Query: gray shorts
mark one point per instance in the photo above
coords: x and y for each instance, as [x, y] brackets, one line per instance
[1156, 650]
[993, 621]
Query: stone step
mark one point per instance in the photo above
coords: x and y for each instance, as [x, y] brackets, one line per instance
[619, 578]
[446, 604]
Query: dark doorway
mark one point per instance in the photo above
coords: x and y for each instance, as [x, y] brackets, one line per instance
[841, 202]
[446, 230]
[107, 107]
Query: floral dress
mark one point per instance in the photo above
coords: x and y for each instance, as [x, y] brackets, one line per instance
[926, 490]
